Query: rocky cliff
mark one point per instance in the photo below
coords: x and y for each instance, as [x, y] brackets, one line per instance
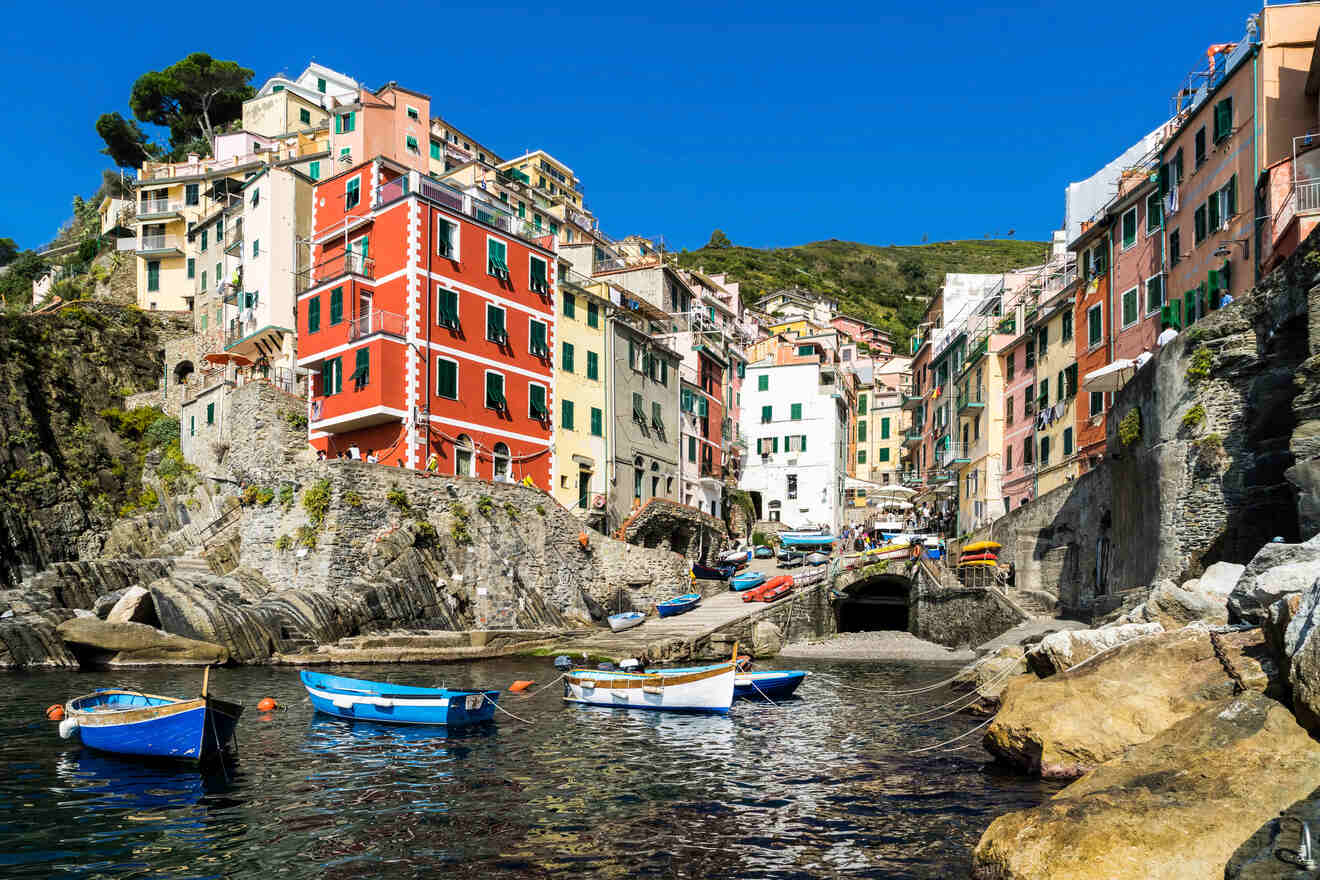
[69, 461]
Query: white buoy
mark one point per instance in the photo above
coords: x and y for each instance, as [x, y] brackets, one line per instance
[68, 727]
[1306, 850]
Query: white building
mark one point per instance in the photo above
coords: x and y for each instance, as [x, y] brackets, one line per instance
[796, 421]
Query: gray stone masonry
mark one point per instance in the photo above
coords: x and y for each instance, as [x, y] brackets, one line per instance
[684, 529]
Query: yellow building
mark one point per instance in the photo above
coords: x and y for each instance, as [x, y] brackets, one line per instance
[543, 171]
[571, 223]
[978, 397]
[1056, 391]
[799, 326]
[282, 112]
[581, 368]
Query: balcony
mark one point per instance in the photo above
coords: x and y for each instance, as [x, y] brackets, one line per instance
[910, 400]
[234, 237]
[434, 191]
[160, 245]
[376, 321]
[912, 437]
[954, 454]
[336, 267]
[970, 402]
[150, 209]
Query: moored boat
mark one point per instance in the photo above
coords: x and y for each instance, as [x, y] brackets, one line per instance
[364, 700]
[977, 562]
[625, 620]
[746, 581]
[771, 684]
[735, 557]
[678, 604]
[127, 722]
[778, 592]
[807, 578]
[691, 689]
[763, 552]
[754, 594]
[893, 550]
[792, 560]
[711, 573]
[817, 559]
[978, 557]
[977, 546]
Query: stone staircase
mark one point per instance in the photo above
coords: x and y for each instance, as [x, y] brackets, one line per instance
[1038, 605]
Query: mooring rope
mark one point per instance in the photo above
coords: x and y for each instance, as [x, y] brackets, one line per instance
[547, 687]
[971, 695]
[955, 739]
[762, 693]
[506, 711]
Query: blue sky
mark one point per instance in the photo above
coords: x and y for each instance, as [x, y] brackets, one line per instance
[780, 124]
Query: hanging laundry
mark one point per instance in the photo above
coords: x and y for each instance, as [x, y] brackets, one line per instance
[1171, 200]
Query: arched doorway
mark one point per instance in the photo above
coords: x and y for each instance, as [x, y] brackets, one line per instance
[183, 370]
[880, 602]
[502, 472]
[464, 459]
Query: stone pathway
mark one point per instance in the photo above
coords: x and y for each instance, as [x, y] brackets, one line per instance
[1036, 627]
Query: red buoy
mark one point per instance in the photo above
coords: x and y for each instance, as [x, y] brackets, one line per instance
[267, 705]
[520, 685]
[55, 712]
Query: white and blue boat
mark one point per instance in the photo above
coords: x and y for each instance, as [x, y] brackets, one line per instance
[625, 620]
[691, 689]
[805, 539]
[772, 684]
[126, 722]
[747, 581]
[363, 700]
[678, 604]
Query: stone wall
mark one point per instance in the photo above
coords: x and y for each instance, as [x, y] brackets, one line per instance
[669, 525]
[806, 614]
[956, 616]
[259, 430]
[181, 354]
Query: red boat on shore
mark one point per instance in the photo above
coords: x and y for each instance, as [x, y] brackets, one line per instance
[777, 585]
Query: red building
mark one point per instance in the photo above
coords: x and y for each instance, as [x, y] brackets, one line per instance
[428, 319]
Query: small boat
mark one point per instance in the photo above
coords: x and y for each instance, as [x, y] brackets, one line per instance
[808, 539]
[982, 545]
[736, 557]
[396, 703]
[817, 559]
[754, 594]
[691, 689]
[779, 592]
[892, 550]
[976, 557]
[626, 620]
[747, 581]
[792, 560]
[808, 578]
[764, 552]
[771, 684]
[127, 722]
[709, 573]
[678, 604]
[976, 562]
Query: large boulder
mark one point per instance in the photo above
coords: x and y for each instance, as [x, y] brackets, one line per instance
[211, 609]
[1275, 571]
[1299, 645]
[1220, 578]
[989, 676]
[1178, 606]
[99, 642]
[30, 640]
[134, 606]
[1063, 650]
[1173, 808]
[1069, 723]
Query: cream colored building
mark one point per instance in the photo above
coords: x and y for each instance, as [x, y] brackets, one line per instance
[1056, 391]
[978, 396]
[581, 375]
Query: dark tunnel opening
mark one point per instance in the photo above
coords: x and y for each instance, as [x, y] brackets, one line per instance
[880, 604]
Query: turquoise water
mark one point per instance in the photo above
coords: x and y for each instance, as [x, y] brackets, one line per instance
[822, 785]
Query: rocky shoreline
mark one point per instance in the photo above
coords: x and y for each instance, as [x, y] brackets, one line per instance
[1187, 723]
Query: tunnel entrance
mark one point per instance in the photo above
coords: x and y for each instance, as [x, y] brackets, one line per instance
[879, 603]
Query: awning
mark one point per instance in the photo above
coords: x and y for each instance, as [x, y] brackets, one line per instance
[902, 491]
[1110, 377]
[223, 357]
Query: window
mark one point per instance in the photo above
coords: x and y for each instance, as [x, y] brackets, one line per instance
[1154, 213]
[313, 313]
[1043, 340]
[795, 412]
[435, 149]
[256, 196]
[204, 236]
[1044, 394]
[495, 392]
[538, 344]
[1028, 451]
[153, 275]
[352, 193]
[411, 145]
[210, 413]
[767, 414]
[332, 377]
[763, 382]
[570, 306]
[412, 112]
[565, 414]
[656, 421]
[320, 85]
[861, 432]
[305, 116]
[1044, 451]
[495, 330]
[1223, 119]
[861, 404]
[345, 122]
[192, 426]
[1067, 441]
[536, 277]
[861, 456]
[336, 306]
[1070, 375]
[1175, 247]
[191, 194]
[1199, 149]
[638, 409]
[1094, 325]
[597, 422]
[1129, 228]
[1066, 325]
[256, 247]
[593, 365]
[884, 453]
[314, 170]
[1198, 224]
[637, 477]
[1008, 410]
[1008, 459]
[593, 315]
[497, 253]
[446, 378]
[361, 369]
[1154, 294]
[1097, 403]
[1223, 204]
[446, 308]
[464, 460]
[567, 357]
[192, 268]
[1130, 308]
[446, 238]
[1029, 359]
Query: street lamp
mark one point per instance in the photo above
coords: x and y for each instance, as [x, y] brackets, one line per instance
[1225, 248]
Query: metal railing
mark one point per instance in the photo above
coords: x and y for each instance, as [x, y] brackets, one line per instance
[954, 452]
[1308, 195]
[376, 321]
[159, 242]
[456, 200]
[345, 264]
[238, 329]
[159, 206]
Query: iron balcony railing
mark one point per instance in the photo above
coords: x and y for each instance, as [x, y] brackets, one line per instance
[1308, 195]
[336, 267]
[376, 321]
[150, 207]
[446, 196]
[159, 243]
[954, 453]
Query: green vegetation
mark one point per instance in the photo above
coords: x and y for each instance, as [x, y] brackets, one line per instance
[352, 499]
[459, 531]
[424, 534]
[297, 421]
[888, 286]
[307, 537]
[265, 496]
[398, 499]
[316, 501]
[1210, 449]
[1194, 417]
[248, 496]
[1199, 369]
[283, 543]
[759, 539]
[510, 510]
[1129, 427]
[286, 496]
[485, 506]
[540, 509]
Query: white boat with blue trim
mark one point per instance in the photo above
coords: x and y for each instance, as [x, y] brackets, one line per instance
[690, 689]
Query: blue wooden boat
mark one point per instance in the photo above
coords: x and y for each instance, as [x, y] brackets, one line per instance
[678, 604]
[712, 573]
[396, 703]
[125, 722]
[764, 552]
[800, 539]
[772, 684]
[747, 581]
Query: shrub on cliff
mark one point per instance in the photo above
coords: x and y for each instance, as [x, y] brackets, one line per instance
[1129, 427]
[1199, 369]
[316, 501]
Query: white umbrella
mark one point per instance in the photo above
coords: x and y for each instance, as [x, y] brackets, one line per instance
[1110, 377]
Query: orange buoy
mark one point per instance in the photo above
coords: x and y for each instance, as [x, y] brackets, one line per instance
[267, 705]
[583, 540]
[520, 685]
[55, 712]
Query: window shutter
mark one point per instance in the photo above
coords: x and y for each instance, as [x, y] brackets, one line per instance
[327, 378]
[568, 356]
[802, 442]
[884, 428]
[314, 314]
[595, 422]
[767, 414]
[796, 412]
[566, 414]
[776, 444]
[336, 305]
[446, 380]
[884, 453]
[763, 382]
[1231, 207]
[1213, 208]
[362, 365]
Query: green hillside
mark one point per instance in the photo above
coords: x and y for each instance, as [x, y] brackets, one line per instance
[887, 286]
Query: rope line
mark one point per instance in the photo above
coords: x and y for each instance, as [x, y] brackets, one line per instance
[506, 711]
[973, 694]
[547, 687]
[762, 693]
[955, 739]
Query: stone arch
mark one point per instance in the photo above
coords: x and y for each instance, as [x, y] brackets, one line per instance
[183, 370]
[870, 600]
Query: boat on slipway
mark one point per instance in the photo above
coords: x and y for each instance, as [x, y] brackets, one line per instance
[805, 539]
[625, 620]
[678, 604]
[690, 689]
[747, 581]
[363, 700]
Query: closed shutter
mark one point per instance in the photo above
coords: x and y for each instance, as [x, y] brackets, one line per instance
[362, 366]
[1213, 208]
[536, 407]
[446, 379]
[336, 306]
[795, 412]
[763, 382]
[593, 365]
[566, 414]
[314, 314]
[596, 422]
[884, 428]
[766, 414]
[884, 453]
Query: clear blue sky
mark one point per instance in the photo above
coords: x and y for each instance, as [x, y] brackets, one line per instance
[780, 124]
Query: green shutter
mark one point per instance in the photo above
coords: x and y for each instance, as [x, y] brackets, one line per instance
[1232, 196]
[593, 315]
[446, 379]
[210, 413]
[763, 382]
[884, 453]
[692, 448]
[568, 357]
[861, 432]
[495, 391]
[570, 305]
[596, 422]
[362, 366]
[795, 412]
[861, 456]
[1213, 210]
[593, 365]
[637, 407]
[566, 414]
[776, 444]
[336, 306]
[766, 414]
[861, 404]
[1067, 441]
[884, 428]
[153, 275]
[803, 439]
[192, 268]
[314, 314]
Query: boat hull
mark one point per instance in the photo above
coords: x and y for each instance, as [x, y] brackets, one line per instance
[747, 581]
[705, 689]
[678, 605]
[707, 573]
[792, 540]
[774, 685]
[184, 730]
[620, 622]
[755, 593]
[391, 704]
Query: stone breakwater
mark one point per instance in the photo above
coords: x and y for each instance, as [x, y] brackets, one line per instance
[1188, 723]
[335, 551]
